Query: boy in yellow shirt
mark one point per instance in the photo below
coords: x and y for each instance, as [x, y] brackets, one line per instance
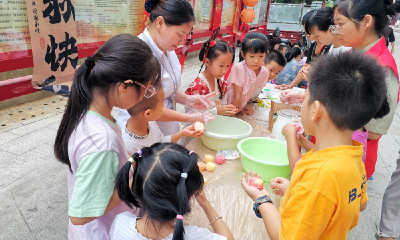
[328, 188]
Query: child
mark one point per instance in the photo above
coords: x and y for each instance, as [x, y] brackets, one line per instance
[291, 69]
[328, 187]
[248, 77]
[274, 63]
[165, 178]
[217, 55]
[90, 142]
[141, 130]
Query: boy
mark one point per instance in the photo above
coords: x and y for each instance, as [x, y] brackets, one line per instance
[328, 186]
[141, 130]
[274, 62]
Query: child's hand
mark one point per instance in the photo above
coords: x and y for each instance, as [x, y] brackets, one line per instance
[227, 110]
[253, 192]
[283, 87]
[289, 130]
[248, 111]
[279, 185]
[201, 199]
[191, 132]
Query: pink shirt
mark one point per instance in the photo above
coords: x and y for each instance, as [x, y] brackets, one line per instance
[245, 77]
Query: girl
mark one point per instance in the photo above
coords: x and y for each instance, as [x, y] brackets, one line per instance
[361, 24]
[217, 55]
[166, 176]
[248, 77]
[291, 69]
[90, 142]
[319, 25]
[170, 22]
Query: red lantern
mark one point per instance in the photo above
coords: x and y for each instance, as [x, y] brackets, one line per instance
[247, 15]
[250, 3]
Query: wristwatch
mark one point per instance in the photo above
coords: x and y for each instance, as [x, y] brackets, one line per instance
[258, 202]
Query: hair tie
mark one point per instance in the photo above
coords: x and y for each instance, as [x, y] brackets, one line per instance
[184, 175]
[89, 62]
[190, 153]
[131, 160]
[179, 217]
[139, 152]
[230, 44]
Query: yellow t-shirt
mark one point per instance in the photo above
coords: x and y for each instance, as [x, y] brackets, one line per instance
[324, 195]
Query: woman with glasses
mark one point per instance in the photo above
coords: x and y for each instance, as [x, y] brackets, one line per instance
[170, 22]
[362, 25]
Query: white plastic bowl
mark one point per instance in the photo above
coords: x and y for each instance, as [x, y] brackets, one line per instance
[225, 133]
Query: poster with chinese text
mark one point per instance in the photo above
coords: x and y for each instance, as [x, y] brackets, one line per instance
[54, 44]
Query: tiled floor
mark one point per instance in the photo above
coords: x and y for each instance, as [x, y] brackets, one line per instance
[33, 188]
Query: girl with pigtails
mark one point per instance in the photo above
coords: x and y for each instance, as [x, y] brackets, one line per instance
[217, 56]
[165, 177]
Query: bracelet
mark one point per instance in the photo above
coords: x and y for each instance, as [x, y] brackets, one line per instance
[215, 219]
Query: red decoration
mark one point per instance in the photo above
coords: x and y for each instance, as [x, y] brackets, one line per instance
[250, 3]
[248, 15]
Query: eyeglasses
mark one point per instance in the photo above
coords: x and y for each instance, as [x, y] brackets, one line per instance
[338, 29]
[150, 90]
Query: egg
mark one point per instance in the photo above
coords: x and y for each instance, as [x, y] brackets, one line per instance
[256, 182]
[198, 126]
[210, 167]
[202, 166]
[208, 158]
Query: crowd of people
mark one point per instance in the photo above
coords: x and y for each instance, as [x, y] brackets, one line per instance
[129, 179]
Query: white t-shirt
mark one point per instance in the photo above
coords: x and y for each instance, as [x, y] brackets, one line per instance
[124, 228]
[170, 78]
[133, 142]
[339, 49]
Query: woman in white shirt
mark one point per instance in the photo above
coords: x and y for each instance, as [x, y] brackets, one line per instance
[170, 22]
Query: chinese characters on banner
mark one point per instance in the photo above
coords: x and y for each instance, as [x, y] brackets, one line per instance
[99, 20]
[14, 30]
[54, 44]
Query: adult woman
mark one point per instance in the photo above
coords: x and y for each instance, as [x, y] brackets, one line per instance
[170, 22]
[316, 49]
[291, 69]
[360, 24]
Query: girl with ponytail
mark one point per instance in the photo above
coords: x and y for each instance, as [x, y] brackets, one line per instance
[89, 141]
[165, 177]
[363, 25]
[218, 56]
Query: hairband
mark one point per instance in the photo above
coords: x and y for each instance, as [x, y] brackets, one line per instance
[230, 44]
[179, 217]
[89, 62]
[210, 45]
[139, 152]
[184, 175]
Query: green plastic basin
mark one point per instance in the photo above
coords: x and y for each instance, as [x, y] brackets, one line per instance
[266, 156]
[224, 133]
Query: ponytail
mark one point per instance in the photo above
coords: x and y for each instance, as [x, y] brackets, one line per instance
[122, 181]
[78, 104]
[120, 58]
[183, 198]
[293, 53]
